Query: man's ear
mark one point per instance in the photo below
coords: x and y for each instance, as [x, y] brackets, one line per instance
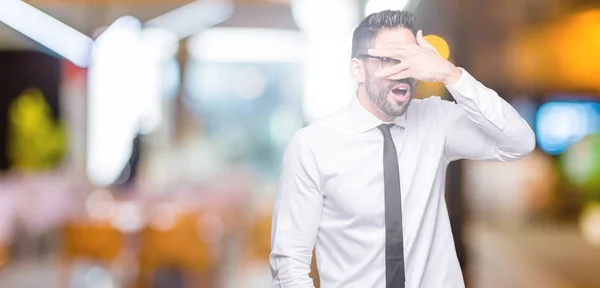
[357, 70]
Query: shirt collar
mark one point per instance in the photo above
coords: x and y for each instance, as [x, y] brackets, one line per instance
[364, 120]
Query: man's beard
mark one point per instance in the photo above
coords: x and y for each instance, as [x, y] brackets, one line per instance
[379, 96]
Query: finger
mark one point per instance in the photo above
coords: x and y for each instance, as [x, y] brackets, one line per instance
[419, 46]
[398, 68]
[391, 53]
[422, 42]
[402, 75]
[397, 45]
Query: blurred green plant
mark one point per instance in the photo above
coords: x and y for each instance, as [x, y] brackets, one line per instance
[36, 141]
[581, 166]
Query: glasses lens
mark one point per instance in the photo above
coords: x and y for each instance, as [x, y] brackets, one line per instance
[388, 62]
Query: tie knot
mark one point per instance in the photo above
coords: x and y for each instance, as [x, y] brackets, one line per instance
[385, 129]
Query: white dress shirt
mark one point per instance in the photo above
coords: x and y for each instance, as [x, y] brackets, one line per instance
[331, 191]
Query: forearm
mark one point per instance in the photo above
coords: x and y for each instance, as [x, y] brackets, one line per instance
[508, 134]
[289, 272]
[294, 231]
[296, 217]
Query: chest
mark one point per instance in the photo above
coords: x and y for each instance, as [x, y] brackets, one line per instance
[352, 175]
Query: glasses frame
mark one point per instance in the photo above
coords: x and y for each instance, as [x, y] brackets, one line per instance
[386, 62]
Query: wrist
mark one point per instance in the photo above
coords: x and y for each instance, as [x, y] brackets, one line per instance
[452, 74]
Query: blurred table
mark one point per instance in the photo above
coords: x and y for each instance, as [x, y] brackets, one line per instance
[548, 255]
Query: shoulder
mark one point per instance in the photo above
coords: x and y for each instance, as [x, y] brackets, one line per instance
[325, 126]
[432, 103]
[434, 113]
[435, 106]
[305, 138]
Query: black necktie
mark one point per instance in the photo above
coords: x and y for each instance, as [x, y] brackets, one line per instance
[394, 247]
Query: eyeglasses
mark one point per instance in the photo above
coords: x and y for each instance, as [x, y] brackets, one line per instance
[386, 62]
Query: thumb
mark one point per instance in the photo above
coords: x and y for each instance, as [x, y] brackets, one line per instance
[422, 42]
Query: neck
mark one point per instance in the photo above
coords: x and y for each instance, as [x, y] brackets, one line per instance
[365, 101]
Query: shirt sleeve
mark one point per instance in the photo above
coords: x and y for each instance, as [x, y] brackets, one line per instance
[296, 216]
[485, 126]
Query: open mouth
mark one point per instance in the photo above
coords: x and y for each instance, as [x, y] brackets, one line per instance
[401, 92]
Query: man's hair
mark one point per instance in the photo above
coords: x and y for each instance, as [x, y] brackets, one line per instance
[367, 29]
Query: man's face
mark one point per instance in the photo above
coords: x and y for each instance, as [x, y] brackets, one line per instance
[392, 97]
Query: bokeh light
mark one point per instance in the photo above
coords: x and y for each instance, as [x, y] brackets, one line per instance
[581, 163]
[560, 124]
[440, 45]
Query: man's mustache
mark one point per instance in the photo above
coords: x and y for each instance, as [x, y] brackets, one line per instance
[401, 81]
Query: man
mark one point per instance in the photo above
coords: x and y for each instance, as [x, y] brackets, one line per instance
[364, 186]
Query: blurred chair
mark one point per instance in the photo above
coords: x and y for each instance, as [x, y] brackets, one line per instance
[260, 246]
[260, 239]
[181, 247]
[96, 241]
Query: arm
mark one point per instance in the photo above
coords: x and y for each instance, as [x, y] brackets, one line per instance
[483, 125]
[296, 215]
[486, 127]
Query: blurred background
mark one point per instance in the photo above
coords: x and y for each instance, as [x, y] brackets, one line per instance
[140, 140]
